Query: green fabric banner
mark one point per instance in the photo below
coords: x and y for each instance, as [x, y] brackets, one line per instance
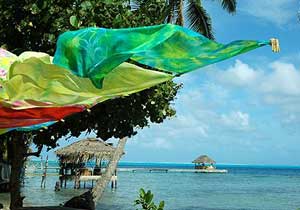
[95, 64]
[94, 52]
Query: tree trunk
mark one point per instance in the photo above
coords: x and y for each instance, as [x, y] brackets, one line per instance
[89, 199]
[112, 166]
[180, 18]
[18, 150]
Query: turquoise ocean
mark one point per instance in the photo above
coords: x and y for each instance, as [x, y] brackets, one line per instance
[244, 187]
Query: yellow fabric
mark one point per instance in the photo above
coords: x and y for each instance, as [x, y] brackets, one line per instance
[36, 83]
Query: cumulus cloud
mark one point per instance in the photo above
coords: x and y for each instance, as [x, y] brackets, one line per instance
[215, 109]
[236, 120]
[285, 80]
[240, 74]
[157, 143]
[279, 12]
[281, 87]
[279, 78]
[276, 84]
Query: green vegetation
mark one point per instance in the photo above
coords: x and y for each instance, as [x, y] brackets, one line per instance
[36, 24]
[146, 201]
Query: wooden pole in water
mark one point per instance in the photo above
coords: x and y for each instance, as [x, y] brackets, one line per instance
[46, 168]
[42, 169]
[101, 184]
[114, 180]
[43, 182]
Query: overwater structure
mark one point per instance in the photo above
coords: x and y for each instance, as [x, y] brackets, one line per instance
[74, 158]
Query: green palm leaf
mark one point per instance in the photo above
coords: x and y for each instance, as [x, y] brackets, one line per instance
[198, 19]
[229, 5]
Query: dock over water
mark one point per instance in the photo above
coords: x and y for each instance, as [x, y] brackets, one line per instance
[150, 170]
[173, 170]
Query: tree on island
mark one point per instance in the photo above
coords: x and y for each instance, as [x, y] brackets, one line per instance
[36, 24]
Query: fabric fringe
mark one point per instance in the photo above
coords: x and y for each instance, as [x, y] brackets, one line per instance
[275, 45]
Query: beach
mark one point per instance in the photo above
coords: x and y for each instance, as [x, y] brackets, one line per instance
[244, 187]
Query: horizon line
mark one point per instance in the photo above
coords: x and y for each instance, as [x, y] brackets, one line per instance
[233, 164]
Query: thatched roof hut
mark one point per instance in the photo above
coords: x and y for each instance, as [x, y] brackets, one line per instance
[85, 150]
[203, 159]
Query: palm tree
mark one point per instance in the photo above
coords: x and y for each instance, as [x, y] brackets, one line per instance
[175, 12]
[197, 17]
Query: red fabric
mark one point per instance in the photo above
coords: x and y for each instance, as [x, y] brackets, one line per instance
[10, 118]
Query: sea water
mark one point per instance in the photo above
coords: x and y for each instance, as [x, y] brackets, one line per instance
[244, 187]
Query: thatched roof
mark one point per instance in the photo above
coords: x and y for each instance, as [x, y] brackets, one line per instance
[85, 150]
[204, 159]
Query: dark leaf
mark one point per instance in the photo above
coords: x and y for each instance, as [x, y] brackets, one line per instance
[198, 19]
[229, 5]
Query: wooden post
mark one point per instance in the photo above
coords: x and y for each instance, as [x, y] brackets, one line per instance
[44, 176]
[101, 184]
[114, 180]
[100, 166]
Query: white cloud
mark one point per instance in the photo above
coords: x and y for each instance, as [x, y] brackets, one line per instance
[236, 120]
[278, 79]
[202, 115]
[240, 74]
[198, 120]
[157, 143]
[215, 92]
[284, 80]
[276, 85]
[281, 87]
[215, 109]
[279, 12]
[219, 105]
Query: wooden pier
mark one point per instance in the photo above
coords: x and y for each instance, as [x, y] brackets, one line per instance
[172, 170]
[150, 170]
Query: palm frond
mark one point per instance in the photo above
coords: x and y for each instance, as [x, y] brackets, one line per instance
[229, 5]
[198, 19]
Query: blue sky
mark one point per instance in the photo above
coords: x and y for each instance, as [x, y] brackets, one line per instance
[245, 110]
